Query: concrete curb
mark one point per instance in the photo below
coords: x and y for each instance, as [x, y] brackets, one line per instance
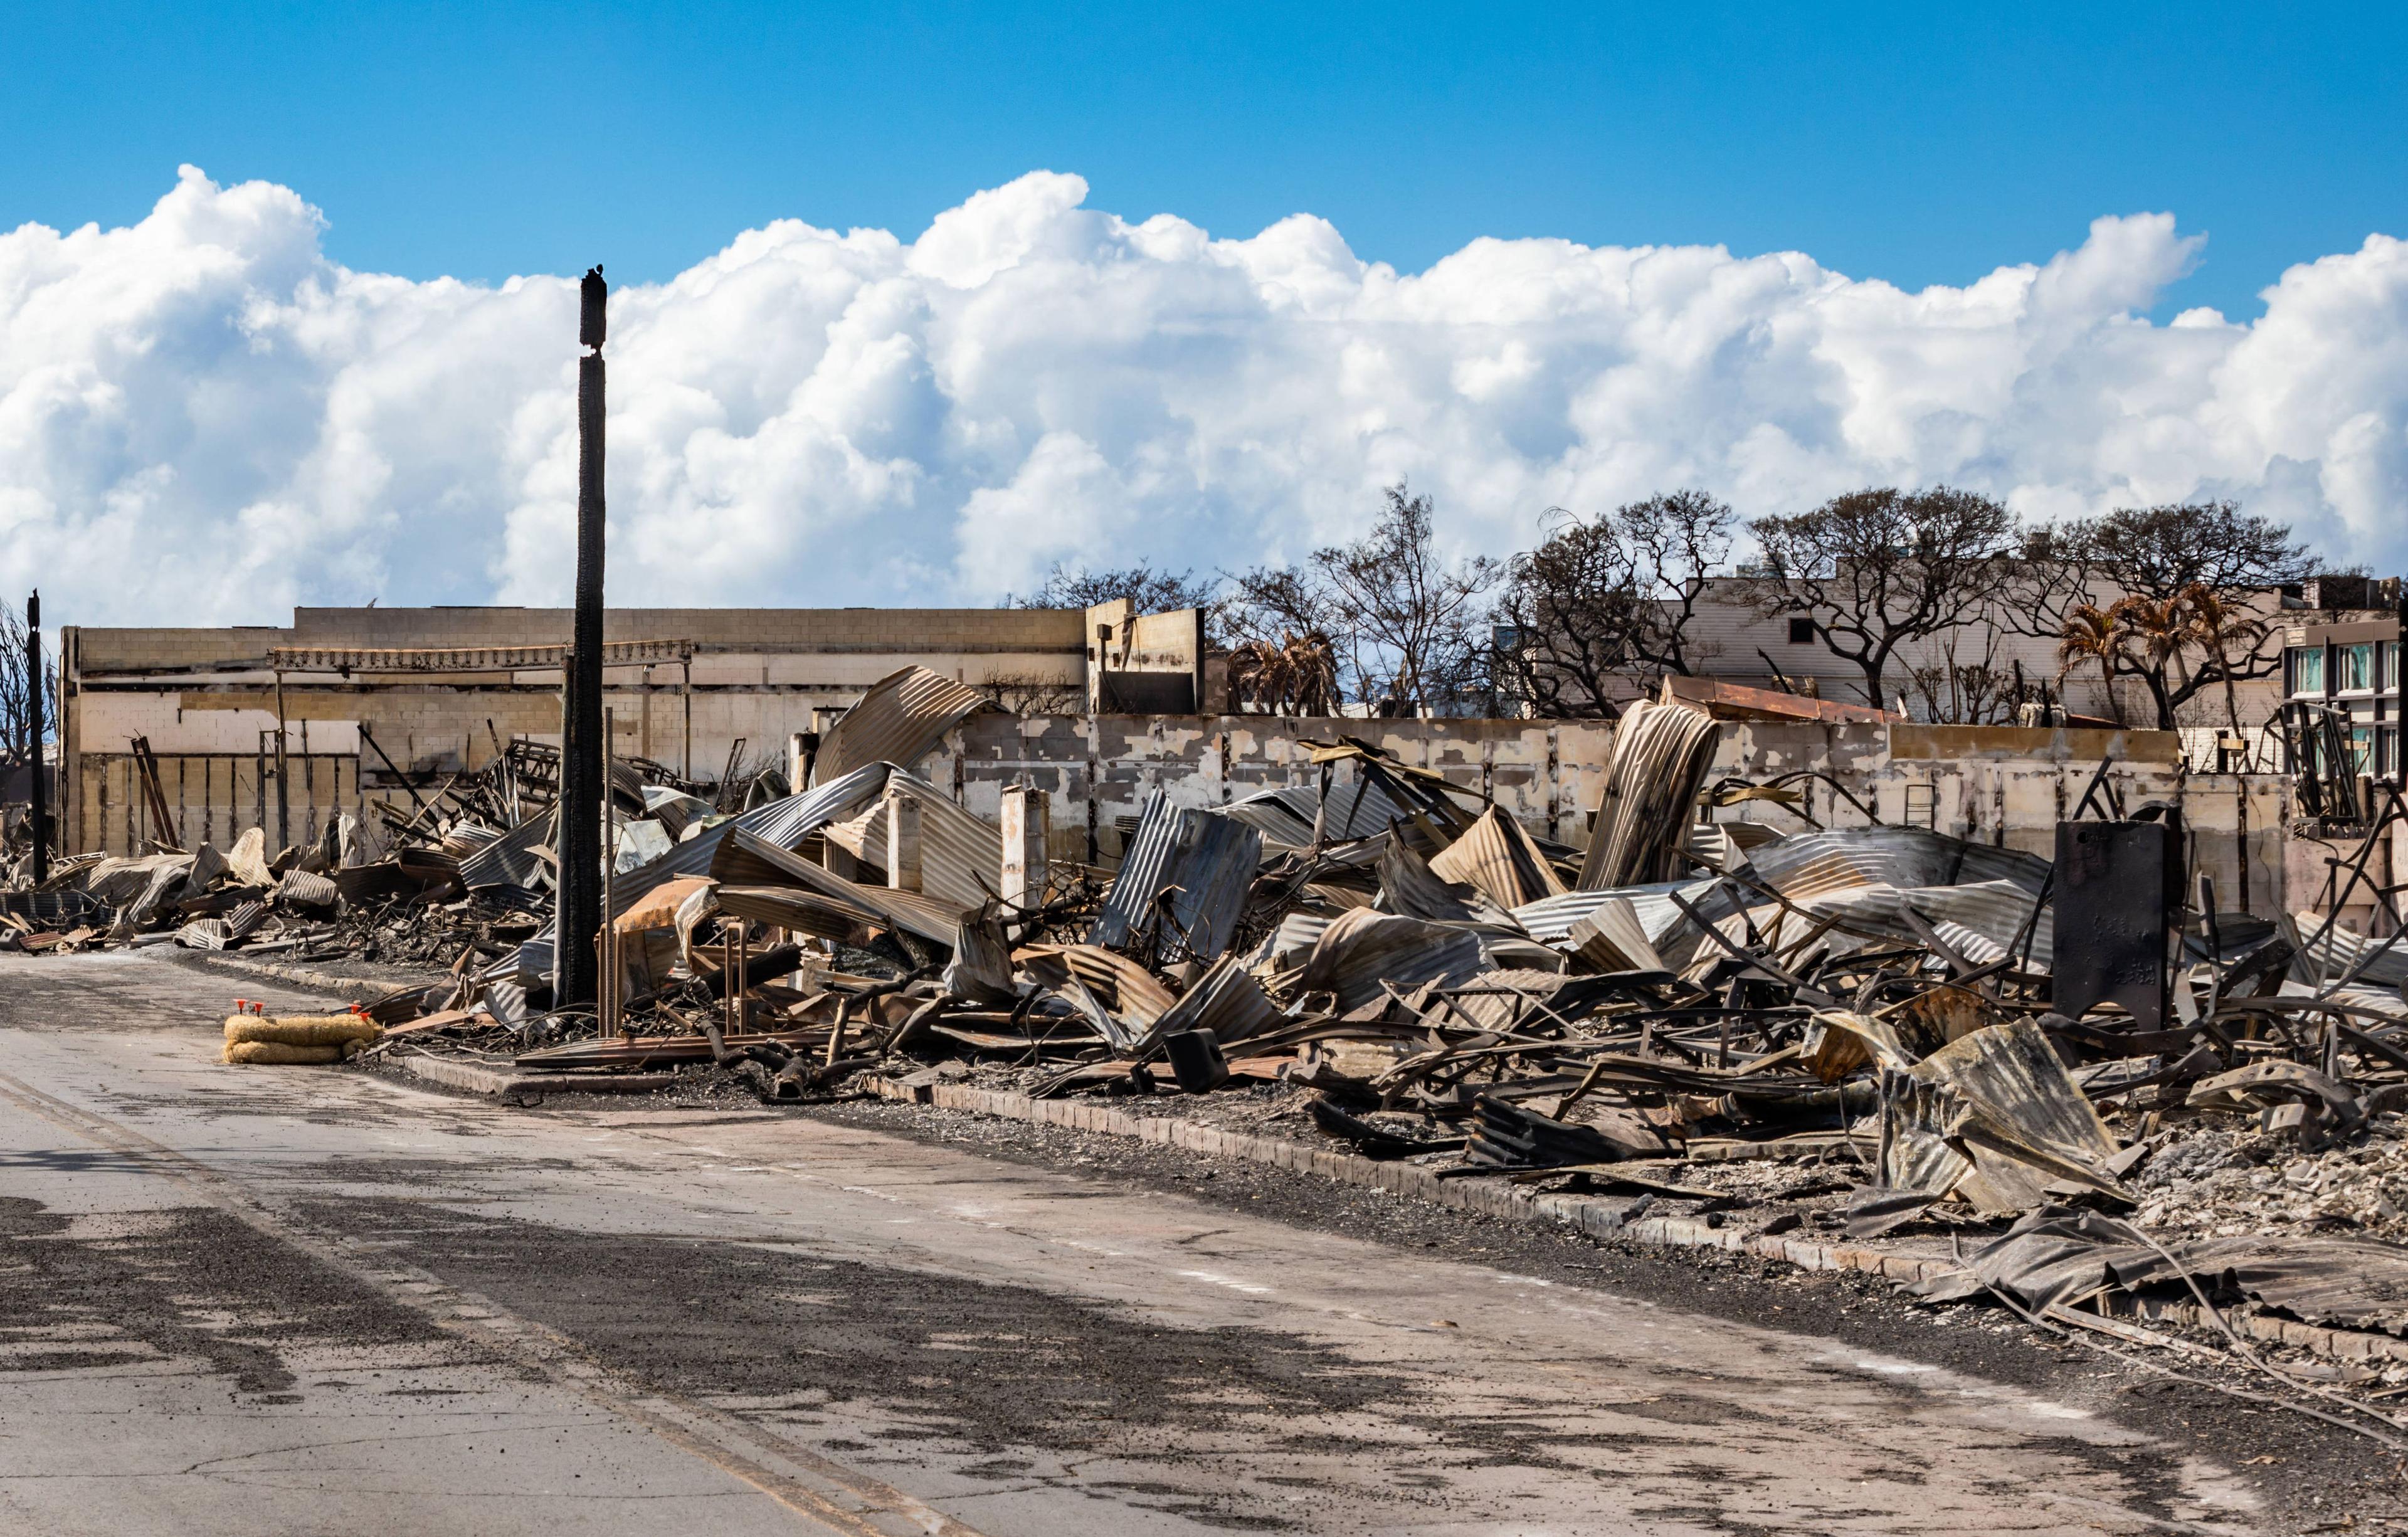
[1598, 1216]
[472, 1076]
[477, 1078]
[355, 989]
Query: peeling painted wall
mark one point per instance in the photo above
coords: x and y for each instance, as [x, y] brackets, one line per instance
[1995, 785]
[1998, 785]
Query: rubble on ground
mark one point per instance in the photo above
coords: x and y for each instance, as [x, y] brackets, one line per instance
[1879, 1033]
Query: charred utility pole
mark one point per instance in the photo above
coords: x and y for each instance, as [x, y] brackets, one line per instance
[579, 831]
[41, 791]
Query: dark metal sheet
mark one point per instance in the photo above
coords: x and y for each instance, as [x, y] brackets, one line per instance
[2116, 884]
[1203, 861]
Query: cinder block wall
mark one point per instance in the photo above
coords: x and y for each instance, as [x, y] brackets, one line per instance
[1995, 785]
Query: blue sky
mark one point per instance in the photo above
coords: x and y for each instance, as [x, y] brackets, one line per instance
[1913, 143]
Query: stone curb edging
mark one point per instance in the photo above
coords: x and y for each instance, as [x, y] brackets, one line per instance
[355, 989]
[477, 1078]
[474, 1077]
[1598, 1216]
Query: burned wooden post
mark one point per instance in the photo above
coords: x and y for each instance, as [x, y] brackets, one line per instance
[34, 756]
[580, 832]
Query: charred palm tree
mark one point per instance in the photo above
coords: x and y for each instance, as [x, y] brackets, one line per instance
[2093, 634]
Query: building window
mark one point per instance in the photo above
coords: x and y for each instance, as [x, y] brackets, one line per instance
[2386, 743]
[2388, 654]
[2353, 666]
[2307, 669]
[1801, 632]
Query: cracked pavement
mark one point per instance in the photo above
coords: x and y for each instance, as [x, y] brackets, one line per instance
[317, 1300]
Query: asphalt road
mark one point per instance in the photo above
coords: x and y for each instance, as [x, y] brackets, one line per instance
[303, 1301]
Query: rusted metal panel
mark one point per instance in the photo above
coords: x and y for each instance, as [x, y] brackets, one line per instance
[1498, 857]
[899, 721]
[1660, 757]
[1365, 953]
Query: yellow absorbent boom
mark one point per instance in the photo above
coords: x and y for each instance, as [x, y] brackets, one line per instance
[297, 1039]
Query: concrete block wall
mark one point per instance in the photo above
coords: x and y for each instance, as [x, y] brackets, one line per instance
[1995, 785]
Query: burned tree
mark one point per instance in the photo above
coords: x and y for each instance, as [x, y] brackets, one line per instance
[1150, 589]
[2186, 585]
[1603, 605]
[1401, 622]
[23, 716]
[1878, 572]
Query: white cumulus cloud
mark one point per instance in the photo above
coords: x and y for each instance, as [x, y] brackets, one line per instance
[205, 420]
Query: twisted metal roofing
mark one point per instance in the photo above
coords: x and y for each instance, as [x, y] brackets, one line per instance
[899, 721]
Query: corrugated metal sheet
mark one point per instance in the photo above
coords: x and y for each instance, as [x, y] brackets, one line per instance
[244, 921]
[1410, 887]
[464, 838]
[1495, 856]
[305, 888]
[1204, 862]
[1225, 1000]
[902, 717]
[1550, 921]
[1658, 763]
[1284, 816]
[510, 859]
[2035, 1125]
[202, 934]
[1145, 870]
[1979, 920]
[1365, 949]
[961, 856]
[1496, 998]
[1809, 863]
[2328, 959]
[1119, 983]
[746, 860]
[784, 823]
[1291, 943]
[793, 908]
[1612, 939]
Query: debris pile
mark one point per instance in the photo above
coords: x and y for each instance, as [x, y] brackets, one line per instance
[1881, 1031]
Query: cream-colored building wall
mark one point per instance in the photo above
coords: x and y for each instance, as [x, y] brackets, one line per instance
[1731, 639]
[755, 676]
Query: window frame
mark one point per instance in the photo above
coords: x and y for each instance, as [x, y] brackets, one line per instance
[2367, 675]
[2298, 662]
